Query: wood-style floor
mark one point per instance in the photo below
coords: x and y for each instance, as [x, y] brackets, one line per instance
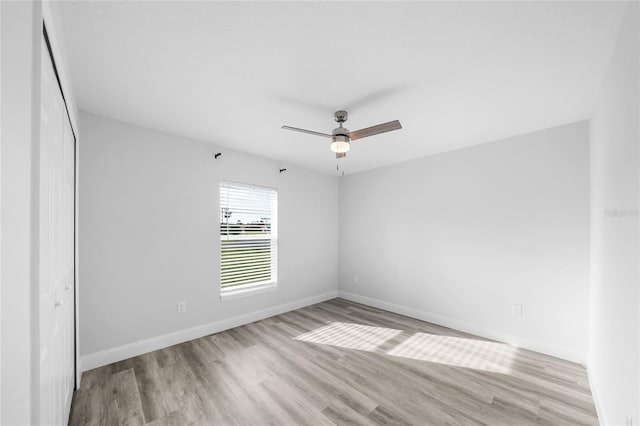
[336, 362]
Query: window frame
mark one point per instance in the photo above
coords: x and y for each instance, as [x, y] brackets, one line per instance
[248, 289]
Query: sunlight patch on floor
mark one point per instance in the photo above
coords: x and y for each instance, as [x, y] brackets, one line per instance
[458, 352]
[351, 336]
[447, 350]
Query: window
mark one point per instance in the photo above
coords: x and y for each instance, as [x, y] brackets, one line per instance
[248, 239]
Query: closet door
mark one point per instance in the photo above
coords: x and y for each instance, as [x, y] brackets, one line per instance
[57, 170]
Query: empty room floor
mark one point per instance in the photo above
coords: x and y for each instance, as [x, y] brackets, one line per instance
[337, 362]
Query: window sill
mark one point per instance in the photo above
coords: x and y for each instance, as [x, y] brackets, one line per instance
[247, 290]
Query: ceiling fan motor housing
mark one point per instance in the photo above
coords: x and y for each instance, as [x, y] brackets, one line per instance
[340, 131]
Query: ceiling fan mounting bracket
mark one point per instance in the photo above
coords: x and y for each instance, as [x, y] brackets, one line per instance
[341, 116]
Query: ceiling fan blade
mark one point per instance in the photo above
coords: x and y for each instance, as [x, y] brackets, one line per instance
[341, 155]
[311, 132]
[375, 130]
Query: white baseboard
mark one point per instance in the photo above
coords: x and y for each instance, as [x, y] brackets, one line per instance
[555, 350]
[596, 399]
[108, 356]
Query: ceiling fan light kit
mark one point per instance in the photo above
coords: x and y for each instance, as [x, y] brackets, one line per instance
[340, 144]
[341, 137]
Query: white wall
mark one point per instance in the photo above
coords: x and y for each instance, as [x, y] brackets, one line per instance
[461, 236]
[0, 210]
[149, 234]
[20, 40]
[615, 253]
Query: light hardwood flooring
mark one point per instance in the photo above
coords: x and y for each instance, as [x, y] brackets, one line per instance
[336, 362]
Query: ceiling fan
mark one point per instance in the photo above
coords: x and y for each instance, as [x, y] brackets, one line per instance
[341, 136]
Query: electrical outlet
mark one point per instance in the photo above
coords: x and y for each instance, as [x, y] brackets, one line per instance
[629, 420]
[516, 310]
[182, 307]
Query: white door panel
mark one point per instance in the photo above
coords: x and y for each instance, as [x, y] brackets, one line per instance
[57, 176]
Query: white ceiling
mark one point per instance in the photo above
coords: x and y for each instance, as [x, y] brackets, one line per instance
[231, 73]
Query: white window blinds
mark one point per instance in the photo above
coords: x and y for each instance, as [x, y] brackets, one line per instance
[248, 235]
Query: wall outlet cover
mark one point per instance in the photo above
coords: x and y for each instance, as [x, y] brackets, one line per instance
[516, 310]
